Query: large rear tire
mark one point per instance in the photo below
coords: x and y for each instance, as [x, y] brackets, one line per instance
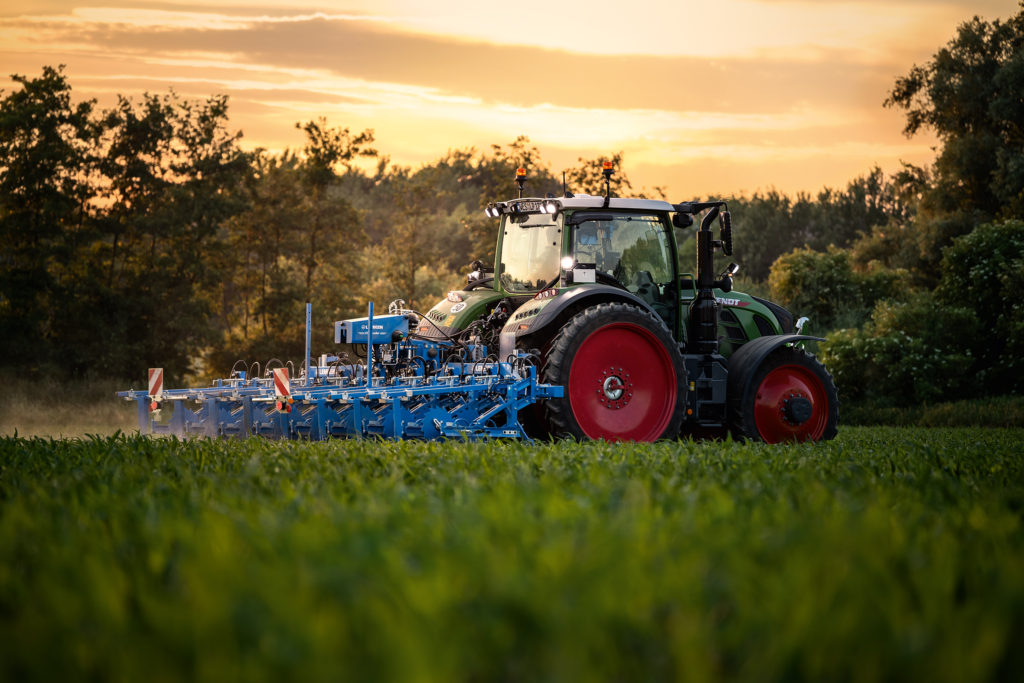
[623, 376]
[791, 397]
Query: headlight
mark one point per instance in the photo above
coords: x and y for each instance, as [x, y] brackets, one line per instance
[494, 210]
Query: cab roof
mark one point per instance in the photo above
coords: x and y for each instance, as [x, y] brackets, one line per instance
[586, 201]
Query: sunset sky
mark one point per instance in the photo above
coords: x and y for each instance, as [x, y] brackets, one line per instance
[703, 96]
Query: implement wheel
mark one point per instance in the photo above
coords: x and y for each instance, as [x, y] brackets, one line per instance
[791, 397]
[622, 374]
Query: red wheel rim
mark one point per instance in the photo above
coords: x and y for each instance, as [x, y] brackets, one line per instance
[779, 389]
[622, 384]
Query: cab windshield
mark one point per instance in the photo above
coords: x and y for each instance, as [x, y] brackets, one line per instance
[530, 250]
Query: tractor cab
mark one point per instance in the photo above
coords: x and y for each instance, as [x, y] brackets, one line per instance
[627, 248]
[589, 288]
[546, 247]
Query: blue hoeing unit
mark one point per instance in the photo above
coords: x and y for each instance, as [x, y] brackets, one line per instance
[407, 389]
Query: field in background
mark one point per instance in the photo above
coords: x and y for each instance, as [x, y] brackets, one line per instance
[996, 411]
[65, 409]
[885, 554]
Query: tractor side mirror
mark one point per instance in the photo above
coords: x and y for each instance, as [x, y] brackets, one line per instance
[682, 220]
[725, 222]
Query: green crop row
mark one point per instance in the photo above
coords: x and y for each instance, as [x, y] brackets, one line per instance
[886, 554]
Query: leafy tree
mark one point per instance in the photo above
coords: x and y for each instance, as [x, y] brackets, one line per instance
[968, 94]
[175, 171]
[770, 224]
[493, 175]
[331, 222]
[416, 242]
[762, 231]
[904, 354]
[839, 217]
[112, 226]
[448, 194]
[825, 287]
[496, 177]
[326, 148]
[496, 173]
[965, 339]
[298, 241]
[984, 271]
[263, 293]
[46, 159]
[892, 242]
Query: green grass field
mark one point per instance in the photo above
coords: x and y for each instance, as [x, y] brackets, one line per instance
[886, 554]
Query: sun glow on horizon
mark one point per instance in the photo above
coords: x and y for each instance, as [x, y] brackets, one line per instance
[698, 94]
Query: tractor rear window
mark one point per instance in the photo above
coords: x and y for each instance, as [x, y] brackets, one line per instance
[530, 250]
[632, 248]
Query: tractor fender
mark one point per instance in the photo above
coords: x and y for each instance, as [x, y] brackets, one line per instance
[743, 363]
[550, 319]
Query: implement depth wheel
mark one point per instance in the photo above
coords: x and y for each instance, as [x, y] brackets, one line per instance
[622, 374]
[791, 397]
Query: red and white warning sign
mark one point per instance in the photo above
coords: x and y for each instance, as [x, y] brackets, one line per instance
[156, 383]
[282, 389]
[156, 388]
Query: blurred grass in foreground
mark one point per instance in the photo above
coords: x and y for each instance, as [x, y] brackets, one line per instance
[886, 554]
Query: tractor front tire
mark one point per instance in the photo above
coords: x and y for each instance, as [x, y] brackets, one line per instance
[790, 397]
[623, 375]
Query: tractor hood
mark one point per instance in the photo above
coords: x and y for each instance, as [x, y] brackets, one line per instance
[456, 311]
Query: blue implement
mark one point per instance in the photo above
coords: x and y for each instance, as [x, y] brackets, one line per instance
[409, 393]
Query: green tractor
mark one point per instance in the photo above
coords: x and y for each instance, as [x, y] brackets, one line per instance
[590, 285]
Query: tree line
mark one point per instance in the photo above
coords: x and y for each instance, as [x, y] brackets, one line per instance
[146, 235]
[925, 306]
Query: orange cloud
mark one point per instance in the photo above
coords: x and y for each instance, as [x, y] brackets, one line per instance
[790, 96]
